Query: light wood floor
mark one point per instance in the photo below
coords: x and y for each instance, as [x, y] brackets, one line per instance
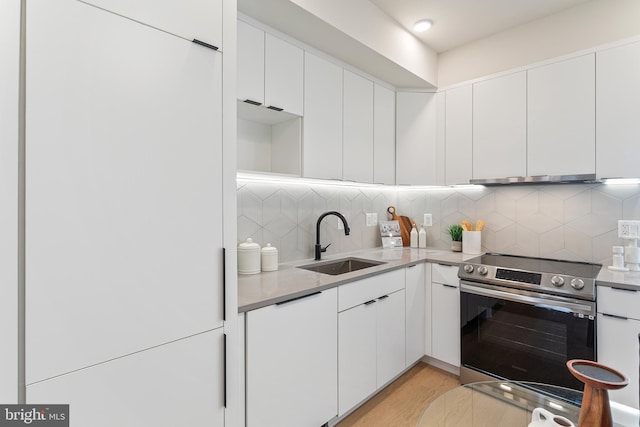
[401, 403]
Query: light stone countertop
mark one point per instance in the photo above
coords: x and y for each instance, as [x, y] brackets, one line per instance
[617, 279]
[288, 282]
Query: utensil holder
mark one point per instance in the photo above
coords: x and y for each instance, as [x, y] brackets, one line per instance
[472, 242]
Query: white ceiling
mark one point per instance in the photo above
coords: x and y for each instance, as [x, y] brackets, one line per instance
[457, 22]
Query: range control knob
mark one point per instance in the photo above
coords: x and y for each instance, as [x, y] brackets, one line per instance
[577, 284]
[468, 268]
[557, 281]
[482, 270]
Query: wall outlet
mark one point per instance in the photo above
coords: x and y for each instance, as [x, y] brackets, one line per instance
[628, 229]
[428, 220]
[372, 219]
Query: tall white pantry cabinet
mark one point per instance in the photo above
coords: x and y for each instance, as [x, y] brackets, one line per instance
[124, 298]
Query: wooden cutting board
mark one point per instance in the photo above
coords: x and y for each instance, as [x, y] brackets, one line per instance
[405, 225]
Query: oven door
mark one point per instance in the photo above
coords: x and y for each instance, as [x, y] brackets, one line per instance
[522, 335]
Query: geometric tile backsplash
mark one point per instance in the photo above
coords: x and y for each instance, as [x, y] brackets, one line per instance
[564, 221]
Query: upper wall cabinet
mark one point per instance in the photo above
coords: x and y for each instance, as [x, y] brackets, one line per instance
[357, 144]
[458, 135]
[416, 138]
[500, 127]
[618, 111]
[384, 135]
[270, 70]
[322, 131]
[561, 117]
[191, 19]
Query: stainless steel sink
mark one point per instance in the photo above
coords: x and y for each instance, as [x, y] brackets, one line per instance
[341, 266]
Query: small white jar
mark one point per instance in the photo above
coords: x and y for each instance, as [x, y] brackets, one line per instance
[269, 258]
[248, 257]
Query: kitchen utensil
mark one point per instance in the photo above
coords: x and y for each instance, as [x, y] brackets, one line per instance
[480, 225]
[406, 224]
[466, 225]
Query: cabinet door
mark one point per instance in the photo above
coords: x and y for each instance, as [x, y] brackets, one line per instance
[446, 323]
[428, 317]
[176, 384]
[291, 362]
[357, 143]
[416, 138]
[190, 19]
[384, 135]
[357, 366]
[500, 127]
[390, 341]
[250, 63]
[618, 348]
[322, 139]
[283, 74]
[123, 201]
[617, 111]
[458, 135]
[9, 80]
[415, 307]
[561, 118]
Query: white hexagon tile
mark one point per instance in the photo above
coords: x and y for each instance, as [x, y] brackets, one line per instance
[576, 222]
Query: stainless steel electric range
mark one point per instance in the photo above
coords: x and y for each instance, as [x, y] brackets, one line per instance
[522, 318]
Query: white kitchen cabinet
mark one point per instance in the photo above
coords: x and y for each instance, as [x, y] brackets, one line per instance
[458, 135]
[176, 384]
[270, 70]
[415, 292]
[617, 111]
[283, 75]
[357, 140]
[416, 138]
[291, 365]
[384, 135]
[124, 189]
[618, 330]
[428, 306]
[190, 19]
[250, 63]
[371, 336]
[561, 118]
[357, 358]
[500, 127]
[9, 82]
[322, 130]
[445, 312]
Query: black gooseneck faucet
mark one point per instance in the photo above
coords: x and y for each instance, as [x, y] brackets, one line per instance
[318, 248]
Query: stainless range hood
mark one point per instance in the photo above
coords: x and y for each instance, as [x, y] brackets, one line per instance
[588, 178]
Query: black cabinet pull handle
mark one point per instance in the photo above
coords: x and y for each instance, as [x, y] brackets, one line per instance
[271, 107]
[205, 44]
[224, 373]
[383, 297]
[252, 102]
[224, 284]
[624, 290]
[615, 316]
[298, 298]
[370, 302]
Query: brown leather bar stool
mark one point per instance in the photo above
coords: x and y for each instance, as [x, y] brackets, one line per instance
[597, 379]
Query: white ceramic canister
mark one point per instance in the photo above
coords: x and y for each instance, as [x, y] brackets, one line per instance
[248, 257]
[543, 418]
[269, 258]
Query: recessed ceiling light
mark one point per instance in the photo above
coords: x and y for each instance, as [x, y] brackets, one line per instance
[422, 25]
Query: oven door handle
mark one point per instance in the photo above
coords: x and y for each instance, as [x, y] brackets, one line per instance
[563, 306]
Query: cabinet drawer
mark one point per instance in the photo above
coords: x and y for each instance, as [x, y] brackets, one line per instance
[447, 274]
[364, 290]
[620, 302]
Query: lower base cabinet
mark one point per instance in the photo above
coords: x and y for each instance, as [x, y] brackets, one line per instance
[445, 314]
[291, 364]
[175, 384]
[371, 336]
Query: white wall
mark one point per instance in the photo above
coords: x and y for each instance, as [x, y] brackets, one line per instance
[591, 24]
[9, 72]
